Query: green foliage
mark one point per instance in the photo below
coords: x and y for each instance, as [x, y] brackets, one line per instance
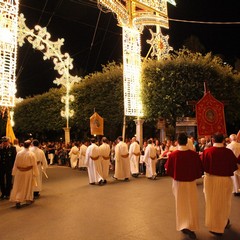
[169, 84]
[40, 113]
[102, 92]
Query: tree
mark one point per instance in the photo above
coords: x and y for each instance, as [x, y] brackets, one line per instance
[168, 85]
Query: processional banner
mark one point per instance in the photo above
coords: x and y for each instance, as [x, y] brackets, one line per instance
[96, 124]
[210, 116]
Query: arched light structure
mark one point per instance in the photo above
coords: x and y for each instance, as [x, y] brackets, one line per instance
[132, 16]
[40, 40]
[8, 51]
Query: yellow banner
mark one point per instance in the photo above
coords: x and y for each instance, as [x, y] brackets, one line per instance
[9, 129]
[96, 124]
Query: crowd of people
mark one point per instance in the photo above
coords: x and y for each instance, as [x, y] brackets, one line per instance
[213, 158]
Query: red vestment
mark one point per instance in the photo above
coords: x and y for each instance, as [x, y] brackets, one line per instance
[219, 161]
[184, 165]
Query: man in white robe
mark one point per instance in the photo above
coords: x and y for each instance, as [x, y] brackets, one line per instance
[219, 164]
[92, 161]
[150, 158]
[134, 155]
[122, 163]
[73, 154]
[82, 155]
[104, 154]
[235, 147]
[185, 166]
[25, 171]
[42, 166]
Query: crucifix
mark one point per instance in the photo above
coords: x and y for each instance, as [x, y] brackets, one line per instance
[132, 16]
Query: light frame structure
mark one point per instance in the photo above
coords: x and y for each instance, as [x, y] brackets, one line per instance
[8, 51]
[132, 16]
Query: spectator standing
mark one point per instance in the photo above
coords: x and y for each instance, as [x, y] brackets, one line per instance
[219, 164]
[7, 158]
[185, 166]
[51, 152]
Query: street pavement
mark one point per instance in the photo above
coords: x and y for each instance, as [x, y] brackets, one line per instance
[71, 209]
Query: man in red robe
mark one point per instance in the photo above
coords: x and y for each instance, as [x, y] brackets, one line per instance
[185, 166]
[219, 164]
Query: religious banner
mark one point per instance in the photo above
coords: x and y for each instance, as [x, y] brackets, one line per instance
[96, 124]
[210, 116]
[9, 129]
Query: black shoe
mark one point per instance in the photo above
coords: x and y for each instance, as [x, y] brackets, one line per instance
[92, 183]
[237, 194]
[105, 181]
[18, 205]
[100, 183]
[135, 175]
[190, 233]
[2, 197]
[228, 225]
[216, 233]
[126, 179]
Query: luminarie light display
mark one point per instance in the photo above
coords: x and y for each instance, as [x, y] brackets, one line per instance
[8, 51]
[40, 40]
[132, 16]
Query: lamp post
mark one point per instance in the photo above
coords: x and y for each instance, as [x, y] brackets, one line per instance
[40, 40]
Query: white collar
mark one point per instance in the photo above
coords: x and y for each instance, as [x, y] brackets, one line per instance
[218, 145]
[182, 148]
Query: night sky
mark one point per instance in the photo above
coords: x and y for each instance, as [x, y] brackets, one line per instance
[92, 37]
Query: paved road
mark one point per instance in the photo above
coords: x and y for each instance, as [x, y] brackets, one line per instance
[71, 209]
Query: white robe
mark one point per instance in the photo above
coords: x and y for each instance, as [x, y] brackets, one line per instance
[104, 153]
[94, 166]
[150, 157]
[218, 197]
[82, 155]
[73, 154]
[42, 166]
[122, 164]
[235, 147]
[134, 155]
[25, 171]
[186, 203]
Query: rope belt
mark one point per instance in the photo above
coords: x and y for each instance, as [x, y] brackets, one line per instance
[137, 154]
[94, 158]
[24, 169]
[125, 156]
[153, 158]
[106, 158]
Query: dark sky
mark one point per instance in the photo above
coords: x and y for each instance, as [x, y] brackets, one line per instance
[92, 37]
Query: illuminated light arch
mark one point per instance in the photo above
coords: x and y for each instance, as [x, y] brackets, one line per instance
[8, 51]
[132, 16]
[39, 38]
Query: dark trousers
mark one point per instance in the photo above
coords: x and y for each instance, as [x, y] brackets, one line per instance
[5, 181]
